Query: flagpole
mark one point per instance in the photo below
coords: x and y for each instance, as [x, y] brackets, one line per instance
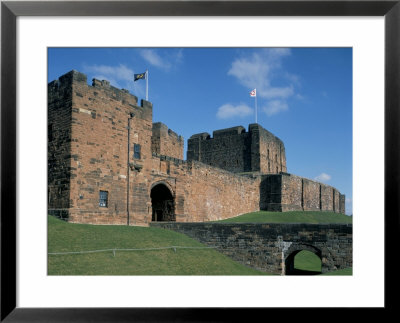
[256, 108]
[147, 85]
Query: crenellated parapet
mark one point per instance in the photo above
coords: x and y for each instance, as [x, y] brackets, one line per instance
[164, 141]
[287, 192]
[238, 150]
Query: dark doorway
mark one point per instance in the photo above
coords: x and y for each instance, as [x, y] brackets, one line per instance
[162, 202]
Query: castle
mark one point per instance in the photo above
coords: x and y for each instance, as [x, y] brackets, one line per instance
[108, 163]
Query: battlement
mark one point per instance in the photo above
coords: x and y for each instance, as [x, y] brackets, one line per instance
[237, 131]
[164, 141]
[238, 150]
[288, 192]
[161, 129]
[78, 79]
[264, 133]
[201, 136]
[229, 132]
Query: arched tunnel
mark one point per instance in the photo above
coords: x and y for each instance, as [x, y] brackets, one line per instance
[162, 202]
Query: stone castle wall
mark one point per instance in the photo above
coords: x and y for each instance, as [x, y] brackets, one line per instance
[91, 154]
[271, 247]
[99, 148]
[203, 192]
[59, 143]
[101, 141]
[166, 142]
[238, 151]
[267, 150]
[287, 192]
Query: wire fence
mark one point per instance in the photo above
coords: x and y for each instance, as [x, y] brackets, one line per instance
[114, 250]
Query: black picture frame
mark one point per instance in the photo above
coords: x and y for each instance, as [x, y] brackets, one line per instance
[10, 10]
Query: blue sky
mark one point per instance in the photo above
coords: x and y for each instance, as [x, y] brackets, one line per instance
[304, 96]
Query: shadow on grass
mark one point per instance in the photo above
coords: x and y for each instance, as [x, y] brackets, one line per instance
[300, 272]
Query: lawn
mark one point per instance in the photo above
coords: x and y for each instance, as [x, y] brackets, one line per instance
[291, 217]
[307, 263]
[161, 252]
[70, 237]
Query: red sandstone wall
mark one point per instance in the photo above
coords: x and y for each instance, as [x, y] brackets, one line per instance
[206, 193]
[166, 142]
[336, 201]
[272, 155]
[216, 194]
[92, 152]
[99, 150]
[291, 193]
[299, 193]
[311, 195]
[326, 198]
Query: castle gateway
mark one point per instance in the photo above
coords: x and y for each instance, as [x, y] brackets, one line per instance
[108, 163]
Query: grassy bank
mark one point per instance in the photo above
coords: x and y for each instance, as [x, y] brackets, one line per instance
[69, 237]
[291, 217]
[188, 258]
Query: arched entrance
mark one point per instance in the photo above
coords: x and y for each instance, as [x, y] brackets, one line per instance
[162, 202]
[303, 260]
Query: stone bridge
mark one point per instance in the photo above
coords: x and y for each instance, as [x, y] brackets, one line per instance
[271, 247]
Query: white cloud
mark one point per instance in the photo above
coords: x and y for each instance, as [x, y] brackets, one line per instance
[114, 74]
[152, 57]
[274, 107]
[323, 177]
[166, 62]
[119, 76]
[227, 111]
[259, 70]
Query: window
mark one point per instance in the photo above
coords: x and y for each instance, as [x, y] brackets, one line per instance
[50, 132]
[136, 151]
[103, 199]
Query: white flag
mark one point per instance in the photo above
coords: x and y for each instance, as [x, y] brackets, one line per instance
[253, 93]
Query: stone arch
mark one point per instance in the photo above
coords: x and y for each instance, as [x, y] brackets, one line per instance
[162, 202]
[293, 250]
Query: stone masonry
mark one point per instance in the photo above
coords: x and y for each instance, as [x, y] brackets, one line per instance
[239, 151]
[166, 142]
[108, 163]
[271, 247]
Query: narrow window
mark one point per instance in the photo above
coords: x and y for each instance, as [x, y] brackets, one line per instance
[136, 151]
[103, 199]
[267, 153]
[269, 166]
[50, 132]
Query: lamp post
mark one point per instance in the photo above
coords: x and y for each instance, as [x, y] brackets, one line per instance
[131, 115]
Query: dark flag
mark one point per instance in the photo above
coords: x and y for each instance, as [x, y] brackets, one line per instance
[139, 76]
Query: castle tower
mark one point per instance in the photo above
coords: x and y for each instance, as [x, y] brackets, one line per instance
[238, 151]
[166, 142]
[98, 145]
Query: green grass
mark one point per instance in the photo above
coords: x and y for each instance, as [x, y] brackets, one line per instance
[67, 237]
[306, 260]
[291, 217]
[340, 272]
